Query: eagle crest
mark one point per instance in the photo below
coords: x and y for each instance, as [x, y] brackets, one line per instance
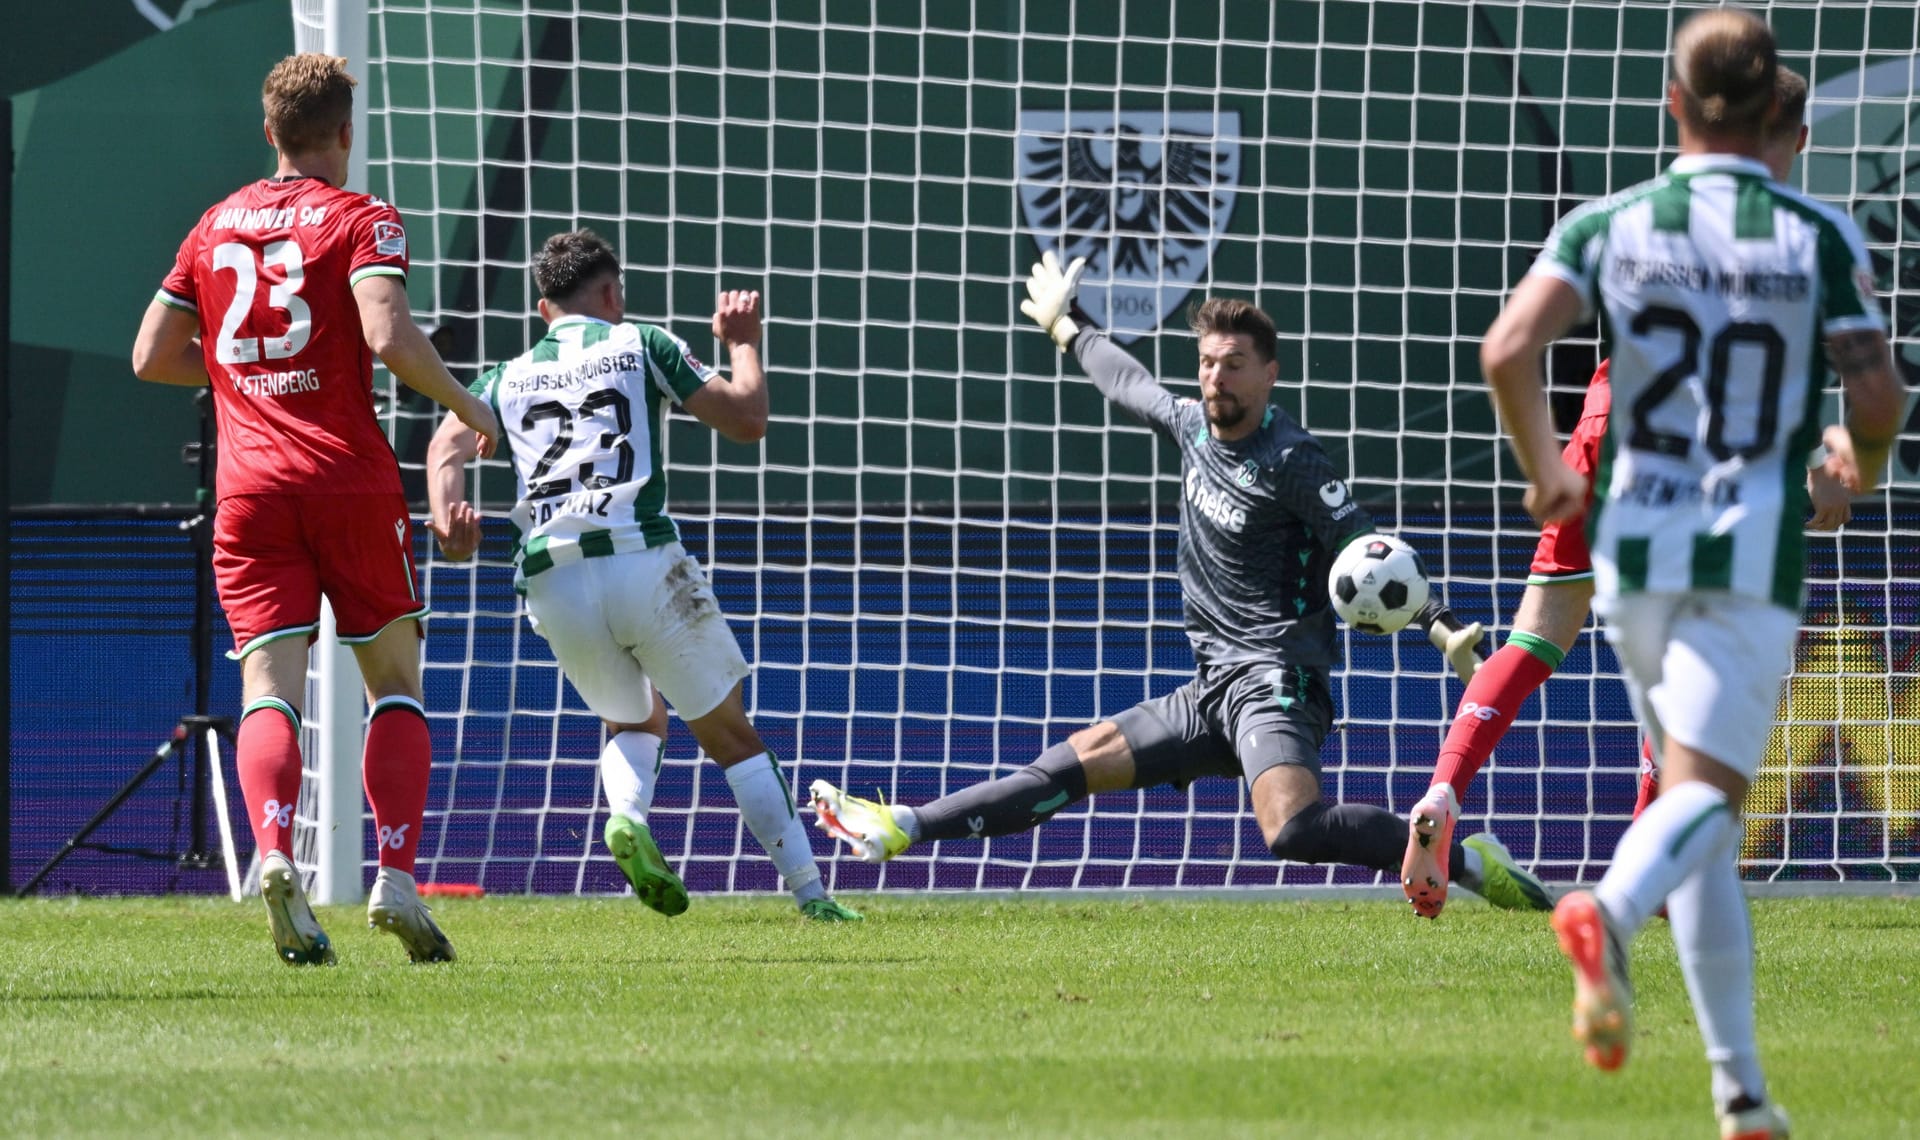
[1143, 196]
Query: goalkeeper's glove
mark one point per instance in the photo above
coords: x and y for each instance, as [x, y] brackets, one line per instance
[1460, 643]
[1050, 291]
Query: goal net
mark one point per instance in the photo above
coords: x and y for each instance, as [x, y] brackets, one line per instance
[950, 552]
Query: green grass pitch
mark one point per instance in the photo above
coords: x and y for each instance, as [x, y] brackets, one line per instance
[937, 1017]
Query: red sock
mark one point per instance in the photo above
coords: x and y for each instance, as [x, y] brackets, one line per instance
[398, 762]
[1488, 707]
[1649, 787]
[1649, 778]
[267, 753]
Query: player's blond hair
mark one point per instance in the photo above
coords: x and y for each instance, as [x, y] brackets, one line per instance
[307, 97]
[1726, 65]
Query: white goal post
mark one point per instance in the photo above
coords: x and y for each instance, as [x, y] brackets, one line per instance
[332, 811]
[949, 551]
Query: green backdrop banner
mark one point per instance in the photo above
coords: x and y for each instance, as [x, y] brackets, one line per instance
[1373, 174]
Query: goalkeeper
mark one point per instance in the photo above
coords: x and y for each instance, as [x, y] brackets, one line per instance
[1261, 517]
[619, 600]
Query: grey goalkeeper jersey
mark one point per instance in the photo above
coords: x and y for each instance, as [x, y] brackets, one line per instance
[1260, 519]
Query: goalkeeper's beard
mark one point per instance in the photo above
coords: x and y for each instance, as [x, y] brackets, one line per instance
[1225, 410]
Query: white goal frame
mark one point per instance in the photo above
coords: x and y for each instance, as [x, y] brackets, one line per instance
[331, 833]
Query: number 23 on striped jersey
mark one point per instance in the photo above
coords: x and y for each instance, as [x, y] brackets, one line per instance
[230, 348]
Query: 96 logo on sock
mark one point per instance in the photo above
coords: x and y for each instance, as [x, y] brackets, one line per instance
[394, 838]
[274, 813]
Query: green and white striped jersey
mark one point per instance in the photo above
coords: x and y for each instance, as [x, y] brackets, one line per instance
[1716, 288]
[583, 412]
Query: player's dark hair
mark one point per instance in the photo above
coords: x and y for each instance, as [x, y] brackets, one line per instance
[307, 97]
[1229, 316]
[1726, 64]
[567, 262]
[1790, 89]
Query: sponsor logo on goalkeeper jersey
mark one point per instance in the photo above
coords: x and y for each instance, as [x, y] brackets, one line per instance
[575, 377]
[277, 383]
[1215, 505]
[1334, 494]
[1142, 193]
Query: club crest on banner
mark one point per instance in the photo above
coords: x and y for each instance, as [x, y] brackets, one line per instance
[1142, 195]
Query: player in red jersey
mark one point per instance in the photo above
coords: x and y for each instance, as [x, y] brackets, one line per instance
[280, 298]
[1553, 610]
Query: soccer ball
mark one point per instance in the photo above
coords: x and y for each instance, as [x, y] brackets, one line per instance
[1377, 584]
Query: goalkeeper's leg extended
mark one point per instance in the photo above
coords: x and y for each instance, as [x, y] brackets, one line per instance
[873, 829]
[1023, 799]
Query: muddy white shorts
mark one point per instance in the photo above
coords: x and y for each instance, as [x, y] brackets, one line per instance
[618, 621]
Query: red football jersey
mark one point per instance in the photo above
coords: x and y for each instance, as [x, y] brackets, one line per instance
[1599, 403]
[270, 273]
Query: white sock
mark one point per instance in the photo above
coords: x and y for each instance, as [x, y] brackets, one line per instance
[905, 820]
[629, 768]
[766, 804]
[1677, 834]
[1714, 937]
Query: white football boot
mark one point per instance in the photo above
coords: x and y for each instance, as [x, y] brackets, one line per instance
[395, 907]
[296, 933]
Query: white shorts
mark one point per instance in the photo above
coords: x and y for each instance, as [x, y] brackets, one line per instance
[616, 622]
[1704, 668]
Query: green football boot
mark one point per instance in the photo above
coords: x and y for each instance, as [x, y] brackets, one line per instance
[864, 825]
[1502, 881]
[639, 858]
[826, 910]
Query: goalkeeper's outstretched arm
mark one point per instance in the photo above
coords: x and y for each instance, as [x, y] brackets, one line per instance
[1120, 378]
[1460, 642]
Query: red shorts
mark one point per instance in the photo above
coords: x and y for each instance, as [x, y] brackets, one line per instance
[1562, 555]
[274, 555]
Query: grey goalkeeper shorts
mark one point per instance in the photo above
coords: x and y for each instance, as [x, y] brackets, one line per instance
[1230, 720]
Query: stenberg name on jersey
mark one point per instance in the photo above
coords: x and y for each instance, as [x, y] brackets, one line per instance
[277, 383]
[576, 376]
[1759, 284]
